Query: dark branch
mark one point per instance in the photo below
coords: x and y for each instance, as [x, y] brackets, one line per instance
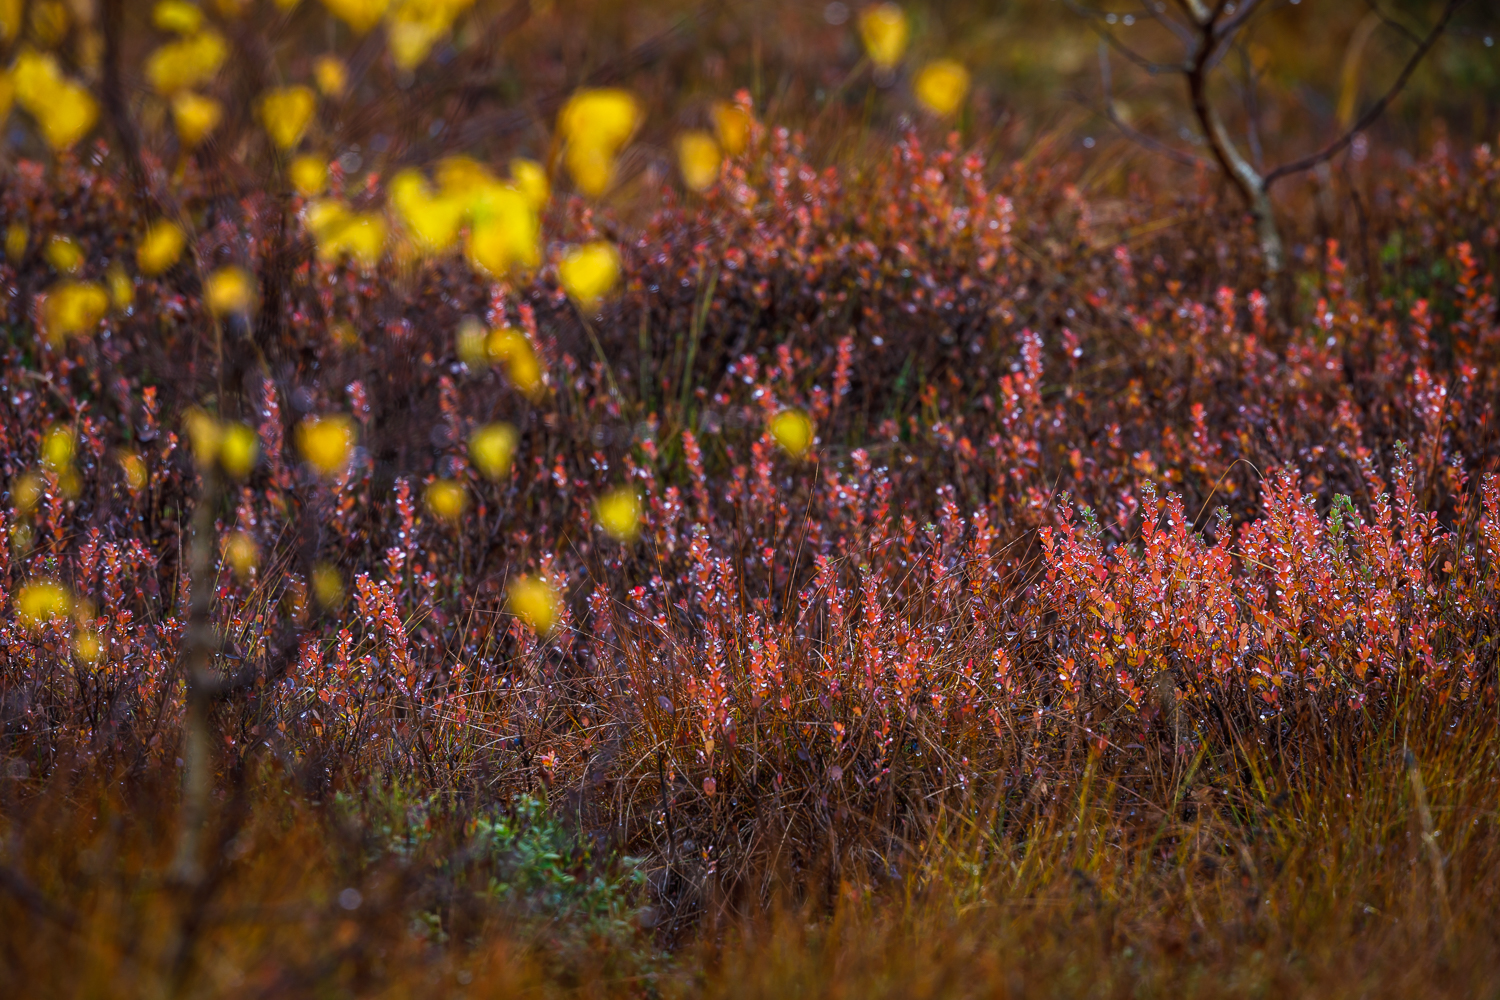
[1129, 131]
[1375, 110]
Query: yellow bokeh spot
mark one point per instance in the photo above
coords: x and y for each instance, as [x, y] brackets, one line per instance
[535, 602]
[17, 237]
[506, 233]
[177, 16]
[229, 290]
[326, 443]
[941, 86]
[43, 600]
[27, 493]
[195, 116]
[433, 219]
[698, 157]
[309, 175]
[414, 26]
[732, 126]
[492, 448]
[470, 342]
[121, 287]
[205, 435]
[340, 232]
[160, 248]
[596, 124]
[64, 110]
[793, 431]
[242, 554]
[238, 449]
[186, 63]
[328, 586]
[885, 31]
[332, 76]
[63, 254]
[589, 272]
[88, 645]
[73, 308]
[286, 113]
[530, 178]
[510, 347]
[359, 15]
[446, 499]
[134, 468]
[58, 448]
[619, 513]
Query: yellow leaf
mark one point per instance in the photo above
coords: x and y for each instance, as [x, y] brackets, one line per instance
[433, 219]
[328, 586]
[26, 492]
[121, 288]
[506, 234]
[492, 447]
[885, 31]
[941, 86]
[64, 110]
[43, 600]
[732, 126]
[63, 254]
[73, 308]
[793, 431]
[286, 112]
[177, 16]
[196, 116]
[332, 75]
[469, 342]
[242, 554]
[160, 248]
[88, 645]
[530, 178]
[186, 63]
[228, 290]
[339, 232]
[134, 469]
[16, 239]
[589, 272]
[535, 602]
[58, 448]
[359, 15]
[446, 499]
[238, 448]
[10, 19]
[619, 513]
[596, 124]
[698, 157]
[309, 175]
[205, 434]
[326, 443]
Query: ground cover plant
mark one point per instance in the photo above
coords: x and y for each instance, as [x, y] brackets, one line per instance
[593, 528]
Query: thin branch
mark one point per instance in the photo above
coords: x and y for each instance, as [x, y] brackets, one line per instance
[1375, 110]
[1129, 131]
[1154, 68]
[1183, 32]
[1393, 24]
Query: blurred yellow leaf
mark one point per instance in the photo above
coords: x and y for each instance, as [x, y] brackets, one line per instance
[793, 431]
[589, 272]
[177, 16]
[340, 232]
[328, 586]
[242, 554]
[492, 447]
[359, 15]
[134, 469]
[49, 21]
[16, 239]
[64, 110]
[309, 175]
[73, 308]
[530, 178]
[88, 645]
[535, 602]
[332, 75]
[619, 513]
[286, 112]
[41, 601]
[160, 248]
[326, 442]
[506, 233]
[238, 448]
[205, 435]
[63, 254]
[26, 492]
[446, 499]
[196, 116]
[121, 287]
[510, 347]
[698, 157]
[10, 19]
[941, 86]
[414, 26]
[596, 124]
[732, 126]
[58, 448]
[432, 218]
[186, 63]
[228, 290]
[470, 341]
[885, 31]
